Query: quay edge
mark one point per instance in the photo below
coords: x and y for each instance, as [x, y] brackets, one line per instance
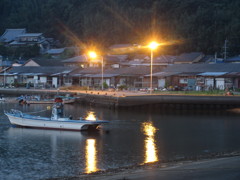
[113, 100]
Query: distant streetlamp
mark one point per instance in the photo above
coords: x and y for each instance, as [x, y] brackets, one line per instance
[94, 55]
[152, 46]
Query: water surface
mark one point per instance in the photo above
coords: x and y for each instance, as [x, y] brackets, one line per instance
[132, 137]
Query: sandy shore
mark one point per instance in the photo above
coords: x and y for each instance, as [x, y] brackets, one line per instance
[212, 165]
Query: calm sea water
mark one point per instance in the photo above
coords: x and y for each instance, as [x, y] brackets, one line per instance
[131, 137]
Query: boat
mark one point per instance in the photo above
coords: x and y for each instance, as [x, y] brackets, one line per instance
[56, 121]
[38, 100]
[50, 101]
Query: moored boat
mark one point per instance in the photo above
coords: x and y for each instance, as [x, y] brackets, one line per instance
[56, 121]
[50, 101]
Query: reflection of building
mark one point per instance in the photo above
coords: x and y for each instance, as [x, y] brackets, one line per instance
[150, 146]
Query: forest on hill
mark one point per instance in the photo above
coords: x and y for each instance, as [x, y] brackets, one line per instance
[187, 25]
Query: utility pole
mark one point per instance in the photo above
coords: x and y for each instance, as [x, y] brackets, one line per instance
[225, 49]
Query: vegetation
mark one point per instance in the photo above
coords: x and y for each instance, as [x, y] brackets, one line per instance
[187, 25]
[13, 52]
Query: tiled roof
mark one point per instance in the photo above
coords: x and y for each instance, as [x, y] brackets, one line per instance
[10, 34]
[48, 62]
[6, 63]
[188, 57]
[40, 70]
[89, 70]
[224, 67]
[76, 59]
[56, 51]
[233, 59]
[115, 58]
[30, 35]
[138, 70]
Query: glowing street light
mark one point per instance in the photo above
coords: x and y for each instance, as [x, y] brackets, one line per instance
[152, 46]
[94, 55]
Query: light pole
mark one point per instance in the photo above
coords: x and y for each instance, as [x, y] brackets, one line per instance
[4, 80]
[102, 71]
[93, 55]
[152, 46]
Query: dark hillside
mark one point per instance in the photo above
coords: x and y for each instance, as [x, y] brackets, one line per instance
[197, 25]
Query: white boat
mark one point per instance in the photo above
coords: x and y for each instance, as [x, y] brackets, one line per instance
[56, 121]
[50, 101]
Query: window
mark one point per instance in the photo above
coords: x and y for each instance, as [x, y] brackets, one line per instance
[183, 81]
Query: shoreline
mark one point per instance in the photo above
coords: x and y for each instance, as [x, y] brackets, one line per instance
[125, 99]
[129, 172]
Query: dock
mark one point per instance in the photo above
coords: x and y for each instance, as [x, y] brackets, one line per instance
[135, 99]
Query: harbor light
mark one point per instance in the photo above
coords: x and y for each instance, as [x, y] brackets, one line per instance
[94, 55]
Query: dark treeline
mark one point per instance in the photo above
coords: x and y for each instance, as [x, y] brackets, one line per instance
[191, 25]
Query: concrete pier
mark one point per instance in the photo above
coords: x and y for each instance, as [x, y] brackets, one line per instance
[131, 99]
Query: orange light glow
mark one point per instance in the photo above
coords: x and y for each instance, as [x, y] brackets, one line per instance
[150, 147]
[91, 116]
[92, 54]
[153, 45]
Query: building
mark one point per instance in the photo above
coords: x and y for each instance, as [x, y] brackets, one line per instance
[11, 34]
[200, 76]
[20, 38]
[38, 76]
[43, 62]
[189, 58]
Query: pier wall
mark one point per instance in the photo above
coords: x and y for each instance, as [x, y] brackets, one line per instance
[144, 100]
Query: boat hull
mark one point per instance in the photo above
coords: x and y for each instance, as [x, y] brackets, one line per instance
[65, 101]
[74, 125]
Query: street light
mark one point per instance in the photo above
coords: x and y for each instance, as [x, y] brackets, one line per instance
[152, 46]
[94, 55]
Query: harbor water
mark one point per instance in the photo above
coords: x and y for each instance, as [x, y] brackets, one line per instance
[133, 136]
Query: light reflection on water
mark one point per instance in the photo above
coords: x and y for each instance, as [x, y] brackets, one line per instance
[150, 146]
[91, 155]
[131, 139]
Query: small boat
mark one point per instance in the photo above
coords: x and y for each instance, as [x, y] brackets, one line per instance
[37, 100]
[50, 101]
[56, 121]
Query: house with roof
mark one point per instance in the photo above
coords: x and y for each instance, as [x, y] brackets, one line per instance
[114, 61]
[29, 39]
[200, 76]
[109, 61]
[43, 62]
[19, 38]
[55, 52]
[123, 48]
[38, 76]
[234, 59]
[131, 77]
[83, 76]
[144, 60]
[11, 34]
[189, 58]
[77, 61]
